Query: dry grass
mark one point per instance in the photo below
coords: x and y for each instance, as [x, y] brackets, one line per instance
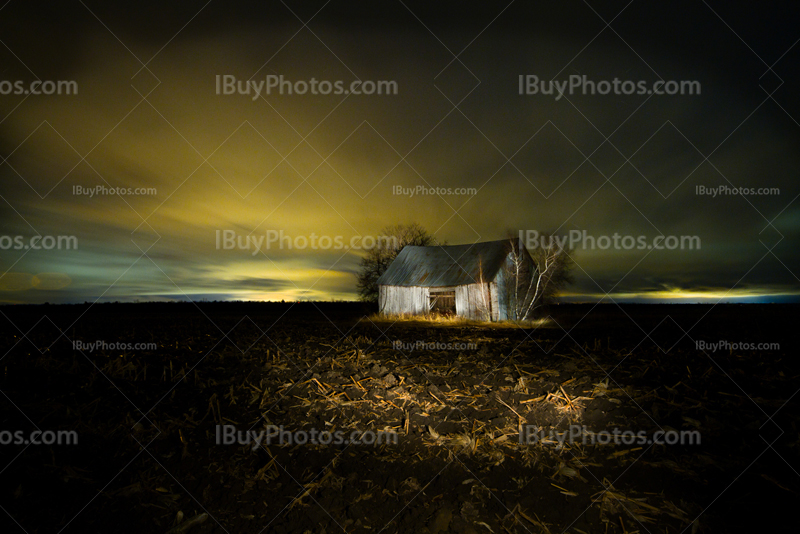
[438, 320]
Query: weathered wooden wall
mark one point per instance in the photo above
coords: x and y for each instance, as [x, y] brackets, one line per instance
[477, 301]
[397, 300]
[505, 296]
[473, 301]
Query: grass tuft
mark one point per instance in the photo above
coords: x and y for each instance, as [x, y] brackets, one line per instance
[439, 320]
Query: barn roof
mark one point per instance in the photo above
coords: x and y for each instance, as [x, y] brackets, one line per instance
[451, 265]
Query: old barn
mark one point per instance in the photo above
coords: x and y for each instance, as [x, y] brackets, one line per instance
[473, 281]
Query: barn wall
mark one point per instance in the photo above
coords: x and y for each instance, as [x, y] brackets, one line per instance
[397, 300]
[505, 295]
[480, 302]
[495, 301]
[477, 301]
[505, 286]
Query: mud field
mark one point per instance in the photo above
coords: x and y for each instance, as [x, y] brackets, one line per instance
[418, 427]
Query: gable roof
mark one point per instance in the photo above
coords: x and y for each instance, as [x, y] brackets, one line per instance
[443, 266]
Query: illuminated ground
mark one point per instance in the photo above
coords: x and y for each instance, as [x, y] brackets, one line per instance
[147, 422]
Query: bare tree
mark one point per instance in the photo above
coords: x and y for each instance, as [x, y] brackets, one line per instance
[378, 259]
[484, 288]
[531, 285]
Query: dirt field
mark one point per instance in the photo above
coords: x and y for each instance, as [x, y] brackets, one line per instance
[483, 430]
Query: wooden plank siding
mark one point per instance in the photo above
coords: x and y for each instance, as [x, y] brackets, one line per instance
[474, 301]
[477, 301]
[397, 300]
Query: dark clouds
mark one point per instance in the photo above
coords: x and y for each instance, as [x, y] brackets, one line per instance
[327, 165]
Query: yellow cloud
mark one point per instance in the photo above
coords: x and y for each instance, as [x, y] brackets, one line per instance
[51, 281]
[16, 281]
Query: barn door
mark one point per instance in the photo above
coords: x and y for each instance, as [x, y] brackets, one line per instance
[443, 302]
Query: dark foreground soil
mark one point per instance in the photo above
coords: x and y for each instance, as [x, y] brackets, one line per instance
[480, 430]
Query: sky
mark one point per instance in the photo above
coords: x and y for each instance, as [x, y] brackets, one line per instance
[273, 194]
